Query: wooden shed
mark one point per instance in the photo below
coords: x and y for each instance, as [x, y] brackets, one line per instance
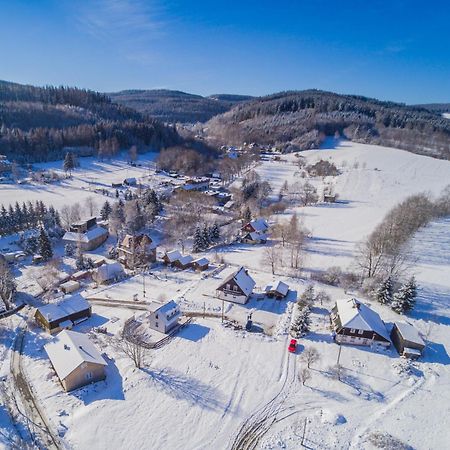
[407, 340]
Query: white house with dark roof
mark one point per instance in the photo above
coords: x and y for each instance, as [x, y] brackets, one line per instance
[237, 287]
[164, 317]
[75, 359]
[355, 323]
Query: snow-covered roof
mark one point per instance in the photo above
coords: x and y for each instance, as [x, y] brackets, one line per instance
[173, 256]
[356, 315]
[88, 236]
[64, 308]
[186, 259]
[108, 271]
[259, 225]
[69, 350]
[202, 261]
[280, 287]
[162, 307]
[257, 236]
[409, 333]
[243, 280]
[69, 284]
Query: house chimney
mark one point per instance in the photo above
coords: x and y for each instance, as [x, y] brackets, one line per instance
[66, 347]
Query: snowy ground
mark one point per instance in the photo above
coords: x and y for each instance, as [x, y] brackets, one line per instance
[197, 391]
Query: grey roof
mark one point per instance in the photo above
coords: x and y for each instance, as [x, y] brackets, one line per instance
[409, 333]
[88, 236]
[71, 305]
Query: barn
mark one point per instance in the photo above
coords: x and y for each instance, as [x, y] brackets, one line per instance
[407, 340]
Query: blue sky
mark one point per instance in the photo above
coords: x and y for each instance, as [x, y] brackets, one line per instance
[390, 49]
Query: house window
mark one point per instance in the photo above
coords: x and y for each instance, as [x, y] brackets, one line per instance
[352, 330]
[235, 288]
[156, 325]
[229, 286]
[360, 331]
[156, 316]
[89, 376]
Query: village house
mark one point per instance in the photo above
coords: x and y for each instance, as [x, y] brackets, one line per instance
[86, 234]
[183, 263]
[130, 182]
[76, 360]
[108, 273]
[69, 286]
[164, 317]
[355, 323]
[5, 164]
[254, 232]
[407, 340]
[329, 198]
[55, 317]
[137, 251]
[171, 257]
[200, 264]
[279, 291]
[199, 184]
[236, 288]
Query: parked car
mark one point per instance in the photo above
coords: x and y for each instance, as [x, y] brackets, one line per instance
[292, 346]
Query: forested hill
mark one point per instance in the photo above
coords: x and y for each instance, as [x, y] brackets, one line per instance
[40, 123]
[436, 107]
[176, 106]
[302, 119]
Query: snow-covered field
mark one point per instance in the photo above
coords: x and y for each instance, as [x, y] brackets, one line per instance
[198, 390]
[92, 174]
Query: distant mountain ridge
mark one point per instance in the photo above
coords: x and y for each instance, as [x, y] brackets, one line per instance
[436, 107]
[176, 106]
[301, 120]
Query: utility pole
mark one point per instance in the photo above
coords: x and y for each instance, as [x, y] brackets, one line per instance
[204, 309]
[338, 363]
[143, 283]
[304, 432]
[223, 308]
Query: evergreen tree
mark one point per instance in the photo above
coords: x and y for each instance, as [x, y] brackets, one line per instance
[405, 299]
[25, 216]
[69, 249]
[215, 232]
[117, 193]
[198, 243]
[45, 246]
[105, 211]
[69, 163]
[308, 296]
[206, 237]
[384, 292]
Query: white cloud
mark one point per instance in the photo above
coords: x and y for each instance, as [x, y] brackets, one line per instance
[125, 22]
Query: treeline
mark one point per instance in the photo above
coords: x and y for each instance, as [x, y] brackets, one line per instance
[28, 216]
[301, 120]
[384, 254]
[38, 124]
[47, 144]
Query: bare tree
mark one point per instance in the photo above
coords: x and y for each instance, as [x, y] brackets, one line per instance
[304, 375]
[310, 356]
[91, 206]
[132, 350]
[271, 257]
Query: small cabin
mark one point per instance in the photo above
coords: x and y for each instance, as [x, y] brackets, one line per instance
[69, 286]
[279, 290]
[407, 340]
[200, 264]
